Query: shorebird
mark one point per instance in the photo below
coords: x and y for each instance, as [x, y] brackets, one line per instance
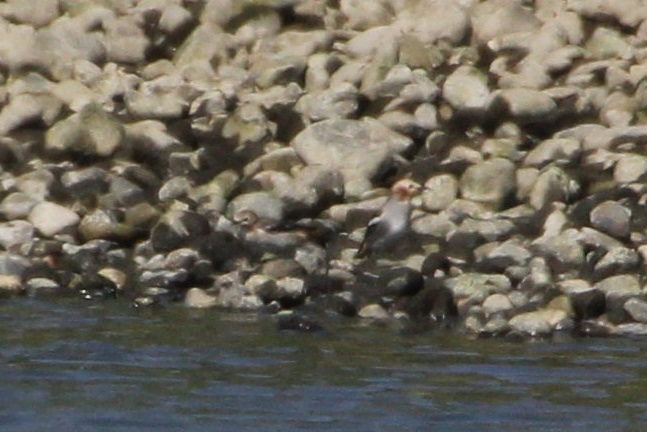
[266, 236]
[393, 221]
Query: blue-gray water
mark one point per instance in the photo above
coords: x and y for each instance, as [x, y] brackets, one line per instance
[69, 365]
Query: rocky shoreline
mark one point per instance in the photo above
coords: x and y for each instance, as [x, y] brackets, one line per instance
[134, 135]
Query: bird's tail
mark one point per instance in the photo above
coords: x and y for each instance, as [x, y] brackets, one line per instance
[363, 251]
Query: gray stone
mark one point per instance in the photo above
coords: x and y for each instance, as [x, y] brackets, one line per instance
[426, 117]
[90, 132]
[630, 168]
[531, 323]
[362, 15]
[205, 43]
[496, 326]
[392, 84]
[375, 79]
[25, 109]
[497, 19]
[637, 309]
[14, 265]
[174, 19]
[17, 205]
[373, 311]
[622, 286]
[320, 67]
[263, 204]
[312, 258]
[37, 287]
[467, 91]
[37, 13]
[177, 228]
[433, 20]
[116, 276]
[490, 230]
[102, 224]
[86, 181]
[282, 159]
[560, 150]
[10, 285]
[249, 125]
[125, 193]
[539, 277]
[461, 154]
[617, 260]
[174, 188]
[509, 253]
[199, 299]
[37, 184]
[526, 105]
[417, 55]
[357, 148]
[125, 41]
[612, 218]
[290, 290]
[282, 268]
[563, 252]
[234, 296]
[629, 329]
[540, 322]
[497, 303]
[597, 240]
[630, 13]
[164, 98]
[213, 194]
[365, 44]
[404, 123]
[50, 218]
[490, 182]
[260, 285]
[552, 184]
[478, 284]
[15, 233]
[277, 69]
[607, 43]
[436, 225]
[327, 184]
[260, 25]
[440, 191]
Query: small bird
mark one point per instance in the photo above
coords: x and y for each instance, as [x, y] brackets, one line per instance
[393, 221]
[266, 236]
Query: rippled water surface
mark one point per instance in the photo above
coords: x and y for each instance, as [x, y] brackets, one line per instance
[96, 367]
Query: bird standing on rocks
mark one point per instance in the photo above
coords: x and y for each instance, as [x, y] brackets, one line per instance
[265, 236]
[393, 221]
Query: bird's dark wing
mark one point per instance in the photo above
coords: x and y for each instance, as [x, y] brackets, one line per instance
[375, 230]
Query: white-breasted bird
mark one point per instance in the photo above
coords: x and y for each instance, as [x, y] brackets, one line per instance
[384, 230]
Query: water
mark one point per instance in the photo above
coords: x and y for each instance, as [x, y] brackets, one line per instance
[67, 365]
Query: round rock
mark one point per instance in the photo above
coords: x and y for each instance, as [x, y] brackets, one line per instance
[15, 233]
[491, 182]
[467, 91]
[612, 218]
[357, 148]
[440, 191]
[199, 299]
[51, 219]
